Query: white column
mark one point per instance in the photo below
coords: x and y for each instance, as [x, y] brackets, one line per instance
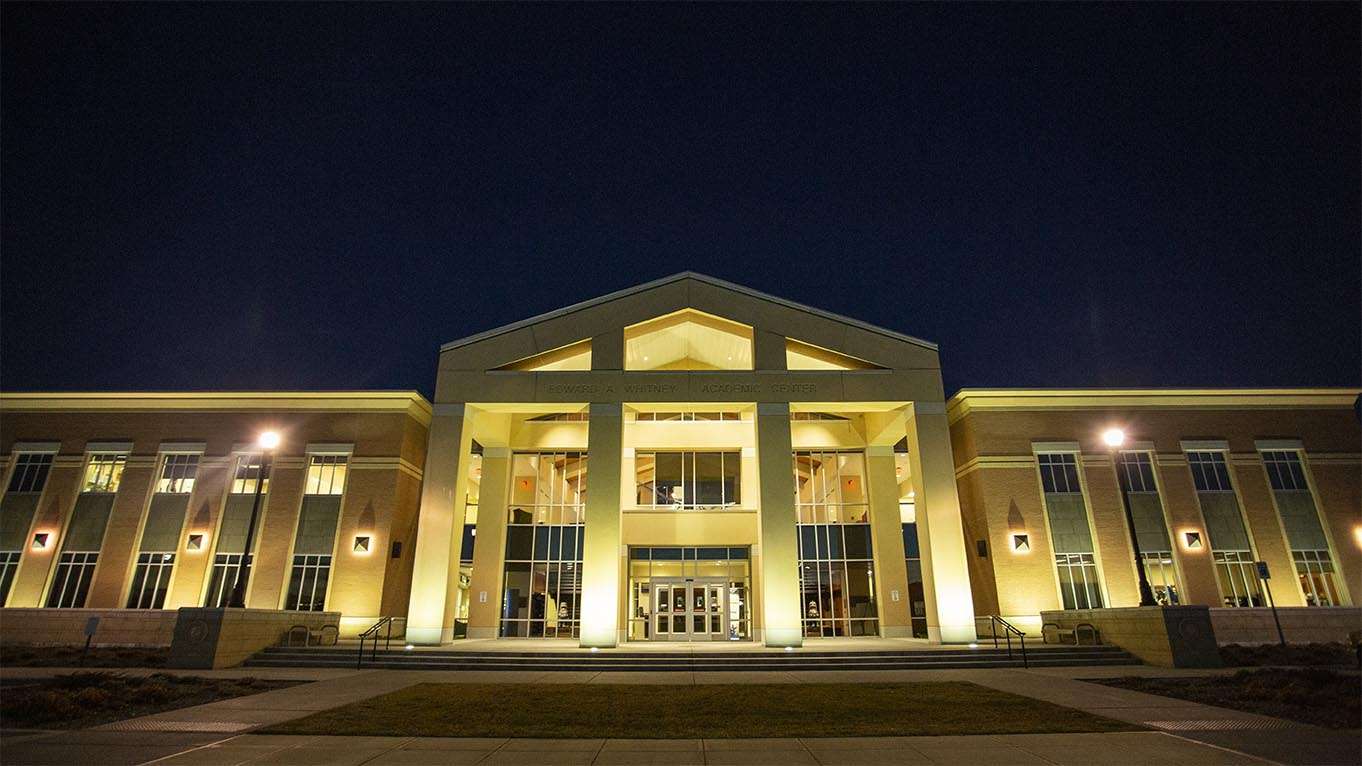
[944, 565]
[435, 571]
[601, 547]
[780, 601]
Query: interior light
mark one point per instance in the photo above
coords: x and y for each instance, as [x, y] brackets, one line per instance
[268, 439]
[1113, 437]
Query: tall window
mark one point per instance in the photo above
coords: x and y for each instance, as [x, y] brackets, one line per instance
[1304, 532]
[1231, 550]
[836, 560]
[1135, 470]
[541, 595]
[688, 480]
[161, 531]
[85, 533]
[231, 543]
[151, 579]
[315, 542]
[17, 509]
[71, 584]
[1070, 534]
[104, 472]
[177, 474]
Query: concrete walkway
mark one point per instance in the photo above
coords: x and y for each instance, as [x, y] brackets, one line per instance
[209, 734]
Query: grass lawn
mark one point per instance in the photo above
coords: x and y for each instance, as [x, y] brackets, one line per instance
[1309, 695]
[79, 700]
[719, 710]
[21, 656]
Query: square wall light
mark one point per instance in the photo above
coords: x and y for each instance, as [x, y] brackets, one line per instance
[1192, 540]
[362, 543]
[40, 540]
[1021, 542]
[195, 542]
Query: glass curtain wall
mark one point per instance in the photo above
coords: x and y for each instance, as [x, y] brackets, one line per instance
[541, 594]
[836, 560]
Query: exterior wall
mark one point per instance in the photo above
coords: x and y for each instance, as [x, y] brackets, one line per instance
[66, 627]
[993, 433]
[387, 433]
[1300, 625]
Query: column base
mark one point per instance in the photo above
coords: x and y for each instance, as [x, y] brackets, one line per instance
[781, 637]
[430, 636]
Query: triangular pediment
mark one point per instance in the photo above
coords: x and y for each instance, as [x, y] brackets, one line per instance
[687, 322]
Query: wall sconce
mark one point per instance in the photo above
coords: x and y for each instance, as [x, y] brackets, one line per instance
[1021, 542]
[195, 542]
[1192, 540]
[361, 543]
[40, 540]
[1357, 535]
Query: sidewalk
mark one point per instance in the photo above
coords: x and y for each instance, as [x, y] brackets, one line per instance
[210, 734]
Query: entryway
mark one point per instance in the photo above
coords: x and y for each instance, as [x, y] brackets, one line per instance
[694, 609]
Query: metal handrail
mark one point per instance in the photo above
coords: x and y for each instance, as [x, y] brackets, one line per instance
[1008, 630]
[372, 632]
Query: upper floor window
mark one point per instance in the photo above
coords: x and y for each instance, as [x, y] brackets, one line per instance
[1136, 471]
[1284, 470]
[326, 475]
[688, 479]
[248, 474]
[548, 488]
[30, 472]
[571, 417]
[177, 474]
[688, 340]
[816, 416]
[1210, 472]
[662, 417]
[103, 472]
[1059, 473]
[830, 487]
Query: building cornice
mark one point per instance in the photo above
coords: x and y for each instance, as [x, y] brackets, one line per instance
[409, 402]
[1057, 399]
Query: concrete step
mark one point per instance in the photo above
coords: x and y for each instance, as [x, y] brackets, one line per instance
[690, 662]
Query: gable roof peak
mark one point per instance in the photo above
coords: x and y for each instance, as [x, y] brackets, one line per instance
[678, 277]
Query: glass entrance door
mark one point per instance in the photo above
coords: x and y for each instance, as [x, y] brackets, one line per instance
[690, 609]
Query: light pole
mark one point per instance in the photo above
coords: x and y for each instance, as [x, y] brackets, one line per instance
[267, 441]
[1114, 438]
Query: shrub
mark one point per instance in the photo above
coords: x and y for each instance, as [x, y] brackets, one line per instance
[156, 693]
[1337, 654]
[92, 697]
[41, 706]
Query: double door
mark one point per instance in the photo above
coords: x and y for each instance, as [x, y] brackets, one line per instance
[690, 609]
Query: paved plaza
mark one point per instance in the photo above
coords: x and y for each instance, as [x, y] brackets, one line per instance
[218, 734]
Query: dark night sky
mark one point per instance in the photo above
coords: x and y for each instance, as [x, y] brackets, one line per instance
[298, 197]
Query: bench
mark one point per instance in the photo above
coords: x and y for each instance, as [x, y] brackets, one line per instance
[1075, 633]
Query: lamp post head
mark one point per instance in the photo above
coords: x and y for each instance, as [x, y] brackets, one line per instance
[1114, 437]
[268, 439]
